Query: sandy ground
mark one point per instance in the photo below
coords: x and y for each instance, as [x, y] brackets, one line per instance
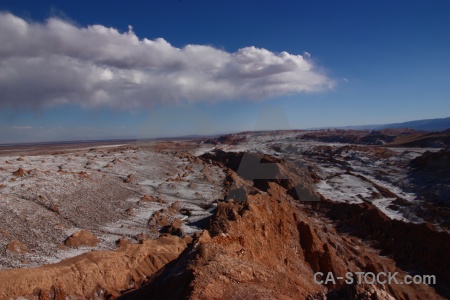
[100, 188]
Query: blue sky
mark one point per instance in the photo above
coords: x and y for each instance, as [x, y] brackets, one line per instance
[347, 63]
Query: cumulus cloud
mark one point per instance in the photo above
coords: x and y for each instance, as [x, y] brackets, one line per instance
[56, 62]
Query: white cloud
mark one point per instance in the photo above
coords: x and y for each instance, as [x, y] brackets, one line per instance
[56, 62]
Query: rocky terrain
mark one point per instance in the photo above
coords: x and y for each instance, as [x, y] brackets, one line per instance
[110, 192]
[252, 215]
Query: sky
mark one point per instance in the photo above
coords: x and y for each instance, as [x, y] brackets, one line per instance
[79, 70]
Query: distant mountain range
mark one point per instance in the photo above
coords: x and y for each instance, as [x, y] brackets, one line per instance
[424, 125]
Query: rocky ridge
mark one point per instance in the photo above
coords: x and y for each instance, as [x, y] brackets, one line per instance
[262, 242]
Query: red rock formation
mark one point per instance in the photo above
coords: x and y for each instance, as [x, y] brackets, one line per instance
[81, 238]
[20, 172]
[267, 247]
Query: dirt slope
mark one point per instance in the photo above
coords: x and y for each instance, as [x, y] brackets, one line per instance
[97, 274]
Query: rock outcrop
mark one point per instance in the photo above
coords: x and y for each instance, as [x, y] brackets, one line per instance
[262, 169]
[81, 238]
[268, 248]
[267, 245]
[19, 173]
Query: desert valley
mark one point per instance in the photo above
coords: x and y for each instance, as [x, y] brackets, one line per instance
[251, 215]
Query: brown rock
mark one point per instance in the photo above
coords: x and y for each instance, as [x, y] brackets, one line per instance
[128, 179]
[54, 207]
[19, 173]
[176, 179]
[83, 174]
[16, 247]
[174, 228]
[4, 233]
[174, 207]
[158, 219]
[148, 198]
[62, 247]
[120, 243]
[81, 238]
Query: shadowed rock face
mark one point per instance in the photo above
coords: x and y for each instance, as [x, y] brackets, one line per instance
[435, 164]
[431, 174]
[416, 247]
